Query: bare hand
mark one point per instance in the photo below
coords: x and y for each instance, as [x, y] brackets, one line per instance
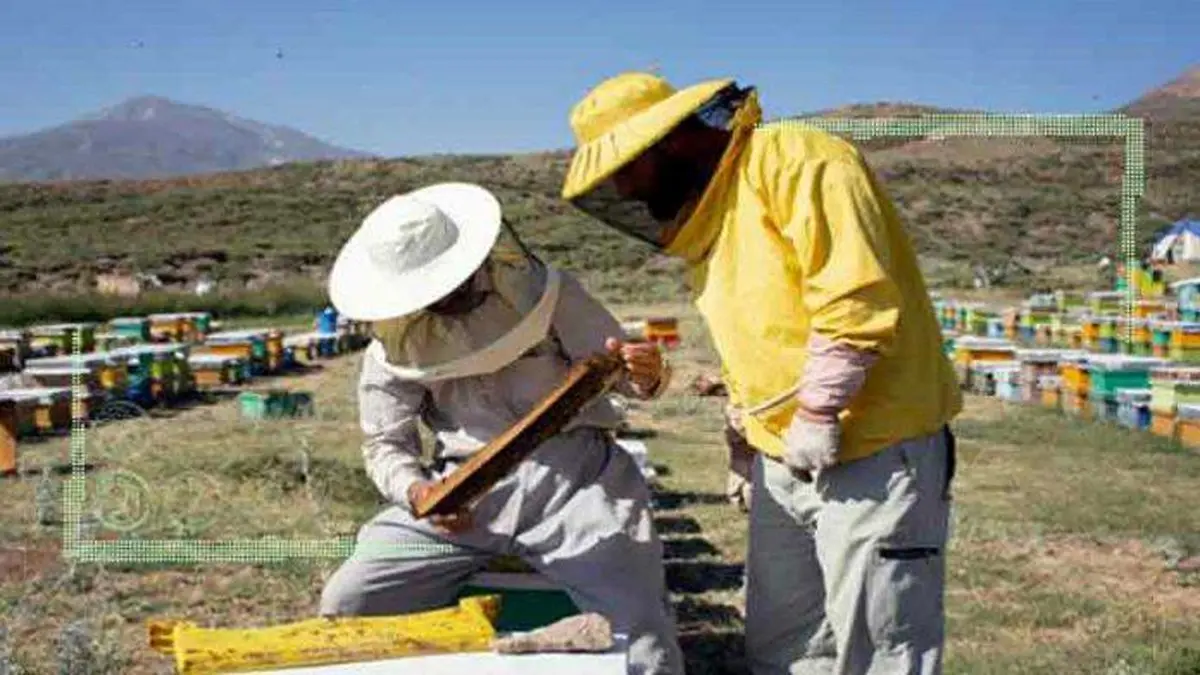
[448, 523]
[643, 362]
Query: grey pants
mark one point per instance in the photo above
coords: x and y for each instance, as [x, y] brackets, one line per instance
[846, 574]
[578, 511]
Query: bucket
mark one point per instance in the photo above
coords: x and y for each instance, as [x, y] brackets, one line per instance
[327, 321]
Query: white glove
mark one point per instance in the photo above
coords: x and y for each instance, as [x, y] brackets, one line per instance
[811, 446]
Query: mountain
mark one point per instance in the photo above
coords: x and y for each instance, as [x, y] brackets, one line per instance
[1178, 100]
[153, 137]
[1045, 208]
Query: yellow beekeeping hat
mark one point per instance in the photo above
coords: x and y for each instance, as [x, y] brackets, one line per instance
[621, 118]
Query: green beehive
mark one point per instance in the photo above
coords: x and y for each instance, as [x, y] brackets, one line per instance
[1112, 372]
[135, 327]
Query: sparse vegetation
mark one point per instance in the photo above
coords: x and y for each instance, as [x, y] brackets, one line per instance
[1067, 533]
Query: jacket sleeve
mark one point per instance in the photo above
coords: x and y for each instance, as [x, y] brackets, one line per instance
[835, 220]
[389, 410]
[583, 324]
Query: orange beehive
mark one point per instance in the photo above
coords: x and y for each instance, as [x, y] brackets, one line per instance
[8, 437]
[1162, 424]
[1187, 425]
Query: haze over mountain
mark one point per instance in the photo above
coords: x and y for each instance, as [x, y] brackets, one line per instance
[155, 137]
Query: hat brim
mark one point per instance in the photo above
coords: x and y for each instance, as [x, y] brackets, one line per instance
[364, 291]
[596, 161]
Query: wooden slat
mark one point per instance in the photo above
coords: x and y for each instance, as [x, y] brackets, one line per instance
[585, 381]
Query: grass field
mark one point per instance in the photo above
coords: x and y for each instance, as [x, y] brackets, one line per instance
[1060, 564]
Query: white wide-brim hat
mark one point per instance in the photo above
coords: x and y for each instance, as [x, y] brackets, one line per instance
[413, 250]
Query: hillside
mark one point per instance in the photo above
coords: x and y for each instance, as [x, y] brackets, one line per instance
[1039, 203]
[148, 137]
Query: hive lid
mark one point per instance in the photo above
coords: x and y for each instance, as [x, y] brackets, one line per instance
[1135, 395]
[1125, 363]
[1187, 411]
[975, 342]
[1043, 355]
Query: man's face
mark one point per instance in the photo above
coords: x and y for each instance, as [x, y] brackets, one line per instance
[661, 180]
[461, 300]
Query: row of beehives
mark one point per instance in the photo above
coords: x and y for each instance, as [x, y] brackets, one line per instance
[1139, 392]
[49, 340]
[1156, 327]
[18, 346]
[157, 374]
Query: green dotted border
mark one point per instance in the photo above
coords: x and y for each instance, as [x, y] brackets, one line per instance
[268, 550]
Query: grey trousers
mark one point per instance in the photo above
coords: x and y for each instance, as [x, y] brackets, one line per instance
[845, 575]
[578, 511]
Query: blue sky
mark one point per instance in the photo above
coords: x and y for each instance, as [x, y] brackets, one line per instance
[404, 77]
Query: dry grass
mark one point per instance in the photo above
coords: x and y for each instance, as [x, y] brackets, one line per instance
[1057, 564]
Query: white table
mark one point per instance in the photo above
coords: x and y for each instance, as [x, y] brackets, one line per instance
[611, 663]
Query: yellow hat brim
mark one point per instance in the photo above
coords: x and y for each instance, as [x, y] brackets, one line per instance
[596, 161]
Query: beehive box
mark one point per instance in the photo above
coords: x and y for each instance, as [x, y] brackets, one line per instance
[1108, 373]
[1133, 408]
[1174, 385]
[1187, 425]
[134, 327]
[249, 345]
[53, 411]
[213, 370]
[274, 403]
[63, 335]
[995, 328]
[1107, 302]
[55, 374]
[8, 437]
[1049, 391]
[983, 378]
[1162, 423]
[25, 410]
[1104, 408]
[1036, 363]
[303, 346]
[1008, 383]
[1076, 377]
[18, 340]
[173, 327]
[970, 349]
[1187, 292]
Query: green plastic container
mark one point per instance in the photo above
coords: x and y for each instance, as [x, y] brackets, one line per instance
[523, 609]
[263, 404]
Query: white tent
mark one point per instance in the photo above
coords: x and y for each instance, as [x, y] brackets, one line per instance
[1179, 244]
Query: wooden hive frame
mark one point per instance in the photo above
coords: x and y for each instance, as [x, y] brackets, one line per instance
[585, 381]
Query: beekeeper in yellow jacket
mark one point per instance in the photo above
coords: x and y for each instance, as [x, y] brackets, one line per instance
[811, 291]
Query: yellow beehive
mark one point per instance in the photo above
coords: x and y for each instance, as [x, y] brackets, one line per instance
[1075, 377]
[1050, 397]
[465, 628]
[970, 349]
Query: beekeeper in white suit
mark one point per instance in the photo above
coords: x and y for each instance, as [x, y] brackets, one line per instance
[471, 331]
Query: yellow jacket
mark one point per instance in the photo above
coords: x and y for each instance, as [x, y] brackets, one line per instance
[795, 235]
